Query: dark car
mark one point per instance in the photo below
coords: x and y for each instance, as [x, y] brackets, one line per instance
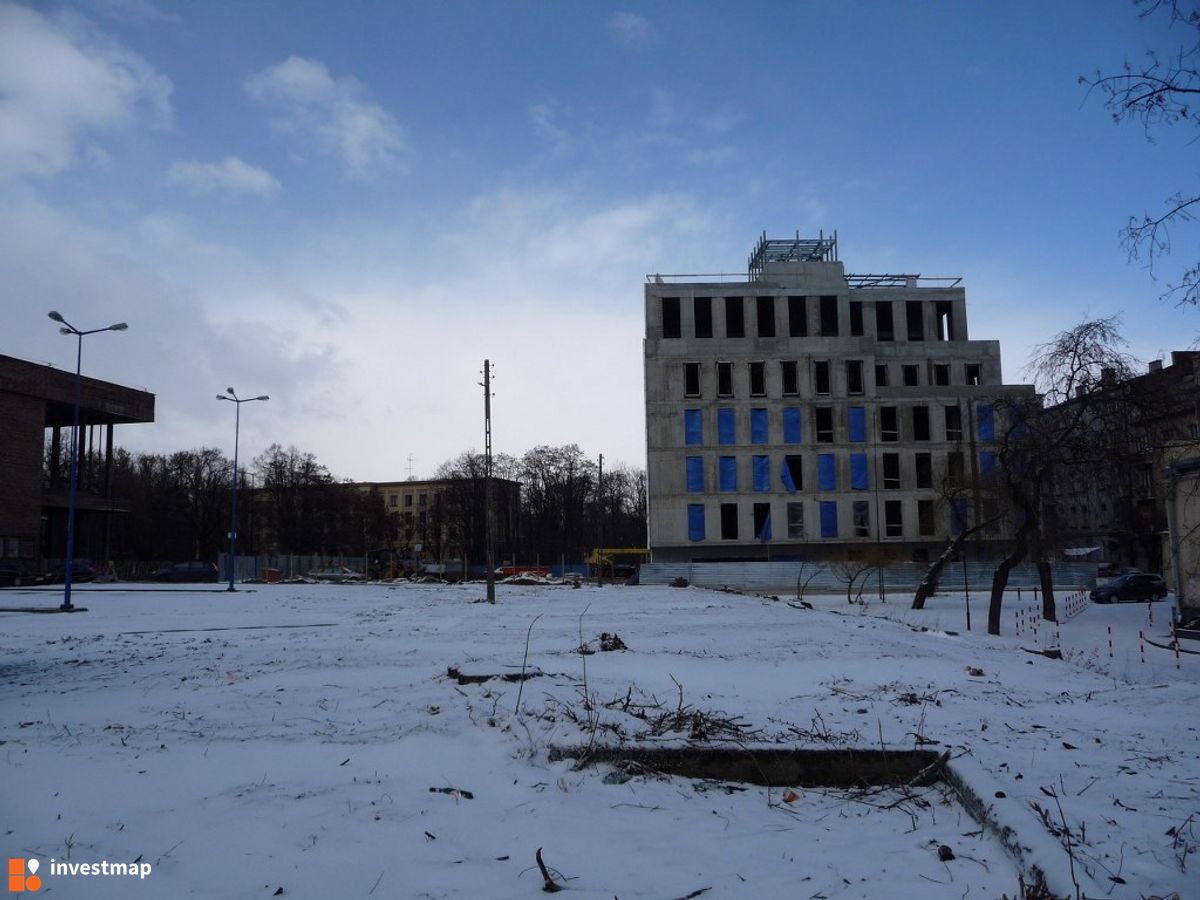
[1130, 588]
[81, 570]
[192, 571]
[14, 574]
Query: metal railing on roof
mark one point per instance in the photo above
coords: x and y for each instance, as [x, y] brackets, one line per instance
[854, 281]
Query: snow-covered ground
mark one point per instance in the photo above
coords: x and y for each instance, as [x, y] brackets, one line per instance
[306, 741]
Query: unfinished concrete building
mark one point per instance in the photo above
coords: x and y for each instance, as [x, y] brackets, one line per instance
[802, 413]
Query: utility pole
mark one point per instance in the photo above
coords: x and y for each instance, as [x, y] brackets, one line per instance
[487, 482]
[600, 498]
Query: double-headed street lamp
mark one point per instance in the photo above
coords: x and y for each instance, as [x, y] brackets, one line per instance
[68, 328]
[237, 426]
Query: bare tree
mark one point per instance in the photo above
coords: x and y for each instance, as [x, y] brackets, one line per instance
[1160, 92]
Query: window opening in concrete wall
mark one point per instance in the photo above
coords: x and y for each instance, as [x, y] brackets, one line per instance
[824, 416]
[860, 479]
[760, 473]
[727, 474]
[724, 379]
[974, 373]
[862, 518]
[735, 320]
[912, 375]
[695, 474]
[944, 310]
[826, 472]
[797, 316]
[765, 316]
[856, 423]
[795, 521]
[759, 427]
[881, 375]
[829, 523]
[954, 466]
[821, 376]
[726, 426]
[954, 423]
[926, 522]
[691, 379]
[856, 318]
[941, 374]
[702, 315]
[792, 473]
[924, 469]
[758, 379]
[762, 521]
[893, 514]
[854, 376]
[829, 316]
[791, 425]
[693, 431]
[885, 328]
[920, 416]
[670, 317]
[790, 376]
[729, 523]
[889, 424]
[695, 518]
[891, 471]
[914, 316]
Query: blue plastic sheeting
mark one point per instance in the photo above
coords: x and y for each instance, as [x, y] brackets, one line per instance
[858, 424]
[695, 521]
[791, 425]
[727, 467]
[764, 533]
[695, 474]
[859, 479]
[761, 469]
[988, 462]
[726, 426]
[829, 518]
[786, 475]
[987, 422]
[758, 426]
[826, 472]
[693, 428]
[958, 517]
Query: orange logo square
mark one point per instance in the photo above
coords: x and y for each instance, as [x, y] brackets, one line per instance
[18, 881]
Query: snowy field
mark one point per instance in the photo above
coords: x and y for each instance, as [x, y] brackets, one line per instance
[307, 742]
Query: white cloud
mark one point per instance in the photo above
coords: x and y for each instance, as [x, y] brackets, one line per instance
[543, 116]
[631, 31]
[230, 174]
[331, 112]
[62, 80]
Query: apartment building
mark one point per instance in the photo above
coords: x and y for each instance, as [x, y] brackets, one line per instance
[800, 412]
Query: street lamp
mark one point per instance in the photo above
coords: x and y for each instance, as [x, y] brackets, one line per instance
[237, 426]
[68, 328]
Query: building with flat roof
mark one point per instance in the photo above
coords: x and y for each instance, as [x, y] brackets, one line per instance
[35, 399]
[799, 412]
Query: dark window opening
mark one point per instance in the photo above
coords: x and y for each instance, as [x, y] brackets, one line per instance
[729, 523]
[926, 523]
[735, 321]
[670, 317]
[862, 518]
[944, 310]
[758, 379]
[954, 467]
[791, 379]
[914, 315]
[793, 464]
[795, 521]
[821, 377]
[854, 376]
[762, 521]
[954, 423]
[691, 379]
[889, 424]
[881, 375]
[797, 316]
[974, 373]
[891, 471]
[924, 466]
[941, 374]
[856, 318]
[724, 379]
[765, 316]
[912, 376]
[824, 415]
[920, 417]
[885, 328]
[702, 312]
[893, 513]
[829, 316]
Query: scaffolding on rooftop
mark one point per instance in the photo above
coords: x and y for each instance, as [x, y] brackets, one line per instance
[797, 249]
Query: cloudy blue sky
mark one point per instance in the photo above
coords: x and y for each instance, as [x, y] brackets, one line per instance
[350, 206]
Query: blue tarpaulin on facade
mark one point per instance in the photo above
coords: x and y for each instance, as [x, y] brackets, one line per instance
[693, 428]
[761, 469]
[758, 426]
[695, 521]
[695, 474]
[826, 472]
[727, 467]
[829, 519]
[791, 425]
[858, 424]
[859, 480]
[726, 426]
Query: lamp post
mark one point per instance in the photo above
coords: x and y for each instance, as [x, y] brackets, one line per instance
[68, 328]
[237, 427]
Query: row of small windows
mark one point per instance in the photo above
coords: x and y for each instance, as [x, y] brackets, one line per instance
[832, 471]
[827, 317]
[394, 500]
[828, 520]
[820, 371]
[856, 425]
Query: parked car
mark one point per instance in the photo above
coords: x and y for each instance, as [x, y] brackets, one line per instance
[14, 574]
[1130, 588]
[335, 574]
[185, 572]
[82, 570]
